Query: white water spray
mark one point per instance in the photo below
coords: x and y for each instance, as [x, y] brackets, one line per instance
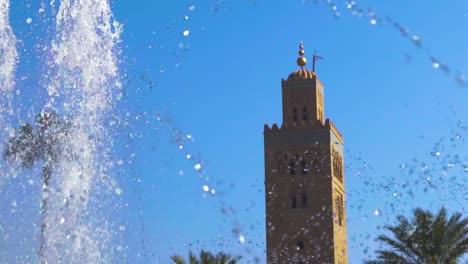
[8, 53]
[8, 59]
[84, 85]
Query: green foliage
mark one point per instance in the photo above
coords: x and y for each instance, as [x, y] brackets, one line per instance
[42, 142]
[207, 258]
[22, 146]
[178, 259]
[45, 142]
[426, 238]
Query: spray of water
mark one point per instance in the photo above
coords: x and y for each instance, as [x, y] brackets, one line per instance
[8, 58]
[83, 86]
[8, 53]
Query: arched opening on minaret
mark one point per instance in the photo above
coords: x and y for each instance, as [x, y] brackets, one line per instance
[292, 167]
[300, 245]
[304, 167]
[293, 202]
[294, 114]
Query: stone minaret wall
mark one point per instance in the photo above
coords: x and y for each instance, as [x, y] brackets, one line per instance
[304, 179]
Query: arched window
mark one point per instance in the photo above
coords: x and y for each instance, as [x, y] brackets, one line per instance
[294, 114]
[300, 245]
[338, 165]
[293, 202]
[292, 168]
[339, 208]
[304, 167]
[304, 200]
[304, 113]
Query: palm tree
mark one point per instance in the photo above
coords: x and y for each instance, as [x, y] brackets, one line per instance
[207, 258]
[44, 143]
[426, 238]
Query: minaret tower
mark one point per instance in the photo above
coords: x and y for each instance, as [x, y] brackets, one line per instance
[304, 177]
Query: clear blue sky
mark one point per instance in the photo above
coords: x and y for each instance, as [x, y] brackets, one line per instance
[222, 82]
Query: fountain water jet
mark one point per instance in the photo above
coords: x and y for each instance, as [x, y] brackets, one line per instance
[84, 85]
[8, 59]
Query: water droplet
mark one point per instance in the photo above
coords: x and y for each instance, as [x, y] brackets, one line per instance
[181, 146]
[461, 79]
[188, 156]
[191, 8]
[121, 228]
[181, 172]
[206, 188]
[118, 191]
[197, 166]
[62, 220]
[373, 21]
[29, 20]
[186, 33]
[241, 239]
[436, 65]
[416, 40]
[186, 17]
[377, 212]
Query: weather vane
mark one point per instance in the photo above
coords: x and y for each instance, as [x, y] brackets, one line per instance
[315, 58]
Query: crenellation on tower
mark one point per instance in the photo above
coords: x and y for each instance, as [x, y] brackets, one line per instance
[332, 126]
[304, 177]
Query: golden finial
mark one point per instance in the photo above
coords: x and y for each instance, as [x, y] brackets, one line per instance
[301, 61]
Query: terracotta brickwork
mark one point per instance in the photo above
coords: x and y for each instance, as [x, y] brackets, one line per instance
[304, 179]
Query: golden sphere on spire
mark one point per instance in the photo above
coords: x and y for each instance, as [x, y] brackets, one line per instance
[301, 61]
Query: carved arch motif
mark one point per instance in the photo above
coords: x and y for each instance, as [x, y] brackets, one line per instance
[337, 161]
[339, 208]
[294, 114]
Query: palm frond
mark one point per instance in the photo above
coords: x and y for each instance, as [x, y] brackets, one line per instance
[22, 146]
[178, 259]
[425, 238]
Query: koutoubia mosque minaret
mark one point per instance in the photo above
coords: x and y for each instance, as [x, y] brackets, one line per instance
[304, 177]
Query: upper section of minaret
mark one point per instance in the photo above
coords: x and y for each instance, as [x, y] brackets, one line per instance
[302, 73]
